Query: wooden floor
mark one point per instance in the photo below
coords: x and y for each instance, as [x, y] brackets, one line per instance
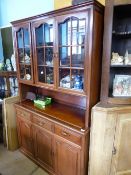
[15, 163]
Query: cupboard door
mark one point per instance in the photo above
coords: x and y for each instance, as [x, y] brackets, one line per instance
[72, 34]
[25, 136]
[43, 147]
[43, 32]
[67, 158]
[121, 164]
[24, 53]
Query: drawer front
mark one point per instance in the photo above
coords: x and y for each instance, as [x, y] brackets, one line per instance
[42, 123]
[24, 114]
[68, 134]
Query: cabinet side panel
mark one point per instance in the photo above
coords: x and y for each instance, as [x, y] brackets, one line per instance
[101, 142]
[106, 49]
[96, 58]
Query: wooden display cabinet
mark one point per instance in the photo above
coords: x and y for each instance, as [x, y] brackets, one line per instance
[62, 50]
[116, 72]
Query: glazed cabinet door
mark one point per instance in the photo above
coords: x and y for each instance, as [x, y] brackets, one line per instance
[72, 52]
[43, 34]
[25, 136]
[23, 52]
[67, 158]
[121, 162]
[43, 141]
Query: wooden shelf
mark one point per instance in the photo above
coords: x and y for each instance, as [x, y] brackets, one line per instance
[63, 113]
[120, 66]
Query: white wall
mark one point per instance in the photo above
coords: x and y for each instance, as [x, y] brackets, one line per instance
[11, 10]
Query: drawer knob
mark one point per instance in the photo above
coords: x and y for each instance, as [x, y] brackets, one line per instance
[64, 133]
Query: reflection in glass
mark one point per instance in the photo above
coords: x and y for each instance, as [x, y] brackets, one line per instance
[22, 72]
[77, 79]
[44, 35]
[64, 55]
[48, 28]
[49, 75]
[39, 35]
[78, 56]
[49, 56]
[40, 56]
[26, 37]
[41, 74]
[27, 56]
[64, 78]
[65, 32]
[21, 55]
[20, 38]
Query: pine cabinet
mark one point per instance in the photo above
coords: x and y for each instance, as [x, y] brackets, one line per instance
[110, 140]
[59, 56]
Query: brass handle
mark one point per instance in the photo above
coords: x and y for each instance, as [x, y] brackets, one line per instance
[64, 133]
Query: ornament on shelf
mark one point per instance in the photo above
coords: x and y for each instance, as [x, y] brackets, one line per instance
[117, 59]
[127, 58]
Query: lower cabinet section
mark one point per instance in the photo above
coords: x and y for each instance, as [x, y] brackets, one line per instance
[110, 141]
[60, 150]
[67, 158]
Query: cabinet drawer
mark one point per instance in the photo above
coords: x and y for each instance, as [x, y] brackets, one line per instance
[43, 123]
[68, 134]
[24, 114]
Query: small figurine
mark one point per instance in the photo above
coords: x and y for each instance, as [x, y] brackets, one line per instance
[117, 59]
[127, 58]
[27, 59]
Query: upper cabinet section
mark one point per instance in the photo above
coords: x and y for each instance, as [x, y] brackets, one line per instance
[117, 54]
[60, 44]
[24, 53]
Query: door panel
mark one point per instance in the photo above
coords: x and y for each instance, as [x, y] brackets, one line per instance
[72, 34]
[43, 146]
[121, 164]
[67, 159]
[24, 53]
[43, 32]
[25, 136]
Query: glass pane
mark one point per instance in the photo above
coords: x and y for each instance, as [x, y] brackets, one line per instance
[81, 31]
[22, 72]
[78, 55]
[49, 75]
[64, 55]
[41, 74]
[77, 79]
[26, 37]
[28, 72]
[64, 78]
[20, 38]
[27, 56]
[48, 30]
[21, 55]
[39, 36]
[65, 32]
[75, 23]
[40, 56]
[49, 56]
